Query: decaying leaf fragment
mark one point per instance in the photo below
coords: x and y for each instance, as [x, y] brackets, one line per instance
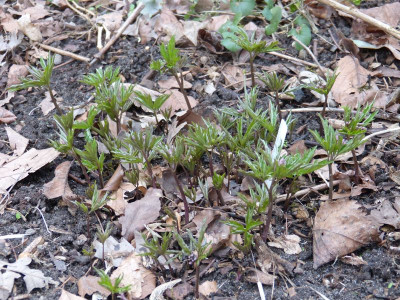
[340, 228]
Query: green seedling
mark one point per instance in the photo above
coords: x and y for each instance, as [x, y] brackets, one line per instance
[66, 128]
[91, 159]
[40, 78]
[113, 287]
[196, 251]
[273, 14]
[115, 100]
[228, 160]
[153, 105]
[96, 203]
[102, 78]
[334, 144]
[245, 230]
[159, 246]
[254, 47]
[264, 164]
[258, 201]
[133, 176]
[242, 7]
[274, 84]
[146, 145]
[206, 138]
[355, 125]
[172, 62]
[173, 154]
[204, 188]
[218, 182]
[302, 31]
[103, 235]
[324, 89]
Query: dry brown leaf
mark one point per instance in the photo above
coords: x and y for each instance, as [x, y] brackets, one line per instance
[353, 260]
[168, 25]
[46, 105]
[289, 243]
[68, 296]
[170, 83]
[15, 73]
[9, 24]
[340, 228]
[87, 285]
[140, 213]
[233, 76]
[115, 181]
[142, 281]
[388, 213]
[117, 200]
[29, 29]
[36, 12]
[208, 287]
[58, 186]
[217, 22]
[388, 13]
[352, 76]
[22, 166]
[298, 147]
[217, 233]
[256, 275]
[6, 116]
[395, 176]
[180, 291]
[177, 101]
[179, 6]
[18, 143]
[112, 21]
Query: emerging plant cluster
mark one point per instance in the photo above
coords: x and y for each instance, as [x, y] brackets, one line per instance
[247, 141]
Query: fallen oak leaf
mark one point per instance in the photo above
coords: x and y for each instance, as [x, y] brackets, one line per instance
[140, 213]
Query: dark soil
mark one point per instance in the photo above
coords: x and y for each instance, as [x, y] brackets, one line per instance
[379, 279]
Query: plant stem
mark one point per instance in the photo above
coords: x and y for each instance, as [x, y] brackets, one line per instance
[101, 177]
[211, 163]
[357, 173]
[196, 290]
[153, 180]
[220, 198]
[88, 225]
[54, 100]
[85, 174]
[330, 182]
[265, 232]
[253, 80]
[278, 105]
[118, 122]
[185, 203]
[103, 252]
[289, 194]
[181, 87]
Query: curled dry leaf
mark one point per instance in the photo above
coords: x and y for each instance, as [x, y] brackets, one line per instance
[353, 260]
[6, 116]
[18, 143]
[180, 291]
[68, 296]
[140, 213]
[29, 29]
[208, 287]
[15, 73]
[114, 251]
[46, 105]
[117, 200]
[388, 213]
[289, 243]
[142, 281]
[177, 102]
[170, 83]
[58, 186]
[158, 292]
[254, 275]
[340, 228]
[87, 285]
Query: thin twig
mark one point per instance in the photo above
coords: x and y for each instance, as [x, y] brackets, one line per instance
[300, 61]
[311, 54]
[44, 220]
[111, 42]
[358, 14]
[380, 132]
[65, 53]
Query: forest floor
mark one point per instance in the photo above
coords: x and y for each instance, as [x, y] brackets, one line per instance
[215, 80]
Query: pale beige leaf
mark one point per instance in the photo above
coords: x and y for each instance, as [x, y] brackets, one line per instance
[22, 166]
[177, 101]
[59, 184]
[87, 285]
[29, 29]
[68, 296]
[170, 83]
[18, 143]
[208, 287]
[6, 116]
[15, 73]
[289, 243]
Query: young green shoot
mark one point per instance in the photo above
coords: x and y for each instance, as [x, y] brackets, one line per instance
[274, 84]
[355, 125]
[153, 105]
[197, 250]
[104, 234]
[173, 155]
[334, 144]
[40, 78]
[324, 89]
[113, 287]
[218, 182]
[172, 62]
[96, 203]
[245, 230]
[254, 47]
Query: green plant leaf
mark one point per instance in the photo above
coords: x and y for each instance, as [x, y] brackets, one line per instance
[276, 16]
[303, 33]
[243, 8]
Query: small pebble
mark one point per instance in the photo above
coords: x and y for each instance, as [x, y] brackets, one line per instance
[30, 231]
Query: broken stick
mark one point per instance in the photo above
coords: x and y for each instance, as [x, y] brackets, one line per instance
[65, 53]
[358, 14]
[111, 42]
